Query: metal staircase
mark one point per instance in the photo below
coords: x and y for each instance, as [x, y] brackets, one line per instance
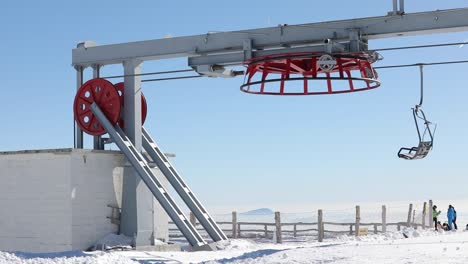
[138, 161]
[181, 188]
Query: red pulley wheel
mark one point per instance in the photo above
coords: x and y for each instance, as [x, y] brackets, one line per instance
[144, 108]
[103, 93]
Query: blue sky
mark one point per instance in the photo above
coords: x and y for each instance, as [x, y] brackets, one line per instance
[235, 149]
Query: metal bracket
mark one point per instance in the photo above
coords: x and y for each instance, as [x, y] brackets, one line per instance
[331, 46]
[247, 47]
[355, 40]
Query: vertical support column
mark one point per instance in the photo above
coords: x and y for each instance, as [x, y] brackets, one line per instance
[136, 198]
[431, 214]
[384, 218]
[78, 140]
[358, 220]
[132, 96]
[234, 224]
[279, 237]
[408, 220]
[320, 225]
[97, 139]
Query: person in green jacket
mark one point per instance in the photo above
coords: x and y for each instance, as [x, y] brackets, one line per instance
[435, 214]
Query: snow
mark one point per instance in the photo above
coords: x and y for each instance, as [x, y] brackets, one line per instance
[113, 241]
[421, 246]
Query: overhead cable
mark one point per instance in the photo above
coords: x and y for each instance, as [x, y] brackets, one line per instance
[421, 64]
[423, 46]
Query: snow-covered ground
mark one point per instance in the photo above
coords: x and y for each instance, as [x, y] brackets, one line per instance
[421, 247]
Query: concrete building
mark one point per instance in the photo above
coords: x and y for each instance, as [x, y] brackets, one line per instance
[62, 199]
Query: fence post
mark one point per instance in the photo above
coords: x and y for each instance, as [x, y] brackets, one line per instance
[234, 224]
[398, 227]
[279, 238]
[410, 210]
[358, 219]
[384, 218]
[431, 215]
[238, 230]
[193, 220]
[295, 230]
[266, 231]
[424, 213]
[375, 228]
[414, 214]
[320, 225]
[350, 229]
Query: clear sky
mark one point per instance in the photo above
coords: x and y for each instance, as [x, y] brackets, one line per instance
[238, 150]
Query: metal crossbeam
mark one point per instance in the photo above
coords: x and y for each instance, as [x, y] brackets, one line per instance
[182, 188]
[281, 37]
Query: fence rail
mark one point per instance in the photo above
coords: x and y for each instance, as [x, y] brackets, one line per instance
[240, 229]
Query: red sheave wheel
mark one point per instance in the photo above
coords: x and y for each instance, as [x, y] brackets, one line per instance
[107, 98]
[144, 108]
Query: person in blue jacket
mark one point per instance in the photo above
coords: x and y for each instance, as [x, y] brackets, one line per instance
[450, 216]
[455, 219]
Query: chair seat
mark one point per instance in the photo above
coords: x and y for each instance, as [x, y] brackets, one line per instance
[418, 152]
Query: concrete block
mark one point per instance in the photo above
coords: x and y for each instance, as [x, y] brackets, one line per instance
[57, 200]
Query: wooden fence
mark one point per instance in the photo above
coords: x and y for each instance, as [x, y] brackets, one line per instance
[279, 229]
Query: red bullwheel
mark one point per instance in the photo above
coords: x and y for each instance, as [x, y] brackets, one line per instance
[144, 108]
[103, 93]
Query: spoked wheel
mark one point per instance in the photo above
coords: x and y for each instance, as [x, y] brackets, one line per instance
[144, 108]
[103, 93]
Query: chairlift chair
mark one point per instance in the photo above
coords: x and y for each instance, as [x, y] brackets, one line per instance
[424, 146]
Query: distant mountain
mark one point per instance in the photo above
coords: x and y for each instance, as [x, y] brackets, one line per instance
[261, 211]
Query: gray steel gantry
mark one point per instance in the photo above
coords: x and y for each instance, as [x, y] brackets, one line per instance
[208, 54]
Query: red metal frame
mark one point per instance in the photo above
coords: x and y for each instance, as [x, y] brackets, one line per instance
[105, 95]
[304, 67]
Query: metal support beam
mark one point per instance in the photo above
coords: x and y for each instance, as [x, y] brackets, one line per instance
[136, 218]
[97, 140]
[143, 169]
[187, 195]
[224, 43]
[235, 58]
[78, 132]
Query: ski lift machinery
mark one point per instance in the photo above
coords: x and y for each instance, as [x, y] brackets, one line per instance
[318, 56]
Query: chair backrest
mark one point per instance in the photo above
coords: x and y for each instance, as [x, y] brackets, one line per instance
[424, 148]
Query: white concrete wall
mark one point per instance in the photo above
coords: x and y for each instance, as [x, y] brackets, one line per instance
[35, 209]
[92, 191]
[57, 200]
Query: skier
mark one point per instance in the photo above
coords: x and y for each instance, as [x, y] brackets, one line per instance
[450, 216]
[435, 214]
[455, 219]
